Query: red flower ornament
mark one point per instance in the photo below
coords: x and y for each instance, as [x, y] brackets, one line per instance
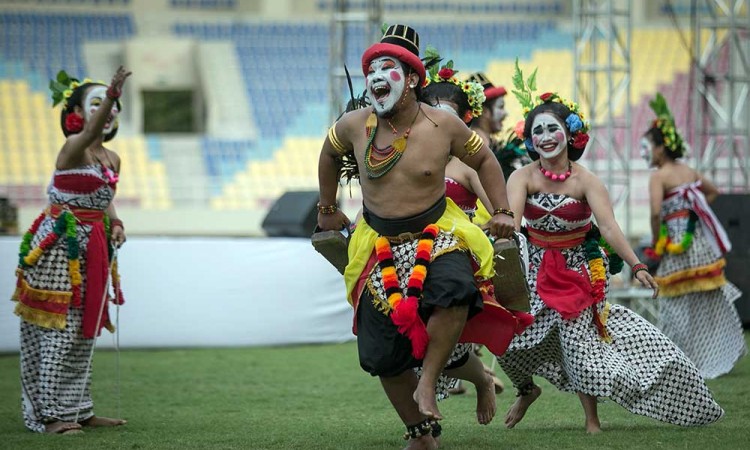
[580, 140]
[445, 73]
[546, 96]
[73, 123]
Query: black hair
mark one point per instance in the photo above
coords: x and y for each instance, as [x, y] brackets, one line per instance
[76, 99]
[561, 112]
[434, 92]
[657, 137]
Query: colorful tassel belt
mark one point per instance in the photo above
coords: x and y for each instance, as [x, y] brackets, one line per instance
[559, 239]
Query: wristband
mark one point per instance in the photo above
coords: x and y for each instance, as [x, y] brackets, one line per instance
[328, 209]
[638, 267]
[116, 223]
[507, 212]
[112, 93]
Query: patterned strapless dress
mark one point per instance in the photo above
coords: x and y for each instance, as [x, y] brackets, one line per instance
[597, 348]
[696, 302]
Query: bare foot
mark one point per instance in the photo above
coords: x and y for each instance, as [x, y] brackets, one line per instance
[593, 427]
[422, 443]
[522, 403]
[61, 427]
[425, 398]
[96, 421]
[486, 406]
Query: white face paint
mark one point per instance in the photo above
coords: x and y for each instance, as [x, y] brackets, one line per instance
[549, 136]
[498, 114]
[647, 151]
[386, 81]
[93, 101]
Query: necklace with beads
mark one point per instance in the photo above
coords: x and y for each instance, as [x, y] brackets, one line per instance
[553, 176]
[108, 170]
[379, 162]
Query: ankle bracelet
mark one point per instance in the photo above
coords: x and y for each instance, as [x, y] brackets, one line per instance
[427, 426]
[525, 389]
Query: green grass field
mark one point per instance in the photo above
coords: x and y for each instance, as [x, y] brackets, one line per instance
[316, 397]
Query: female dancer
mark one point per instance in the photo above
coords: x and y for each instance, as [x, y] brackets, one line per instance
[65, 262]
[578, 341]
[696, 306]
[466, 100]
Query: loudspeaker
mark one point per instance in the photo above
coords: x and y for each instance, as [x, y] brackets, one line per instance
[294, 214]
[733, 211]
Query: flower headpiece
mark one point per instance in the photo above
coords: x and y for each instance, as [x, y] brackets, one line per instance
[447, 74]
[575, 122]
[665, 123]
[63, 85]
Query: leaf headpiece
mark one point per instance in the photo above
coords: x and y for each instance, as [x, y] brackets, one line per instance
[63, 85]
[524, 92]
[447, 74]
[666, 124]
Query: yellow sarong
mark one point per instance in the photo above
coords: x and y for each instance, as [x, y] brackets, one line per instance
[453, 220]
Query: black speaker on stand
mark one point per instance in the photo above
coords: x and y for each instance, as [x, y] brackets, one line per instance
[733, 211]
[294, 214]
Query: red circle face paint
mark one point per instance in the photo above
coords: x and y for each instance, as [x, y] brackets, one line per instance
[395, 76]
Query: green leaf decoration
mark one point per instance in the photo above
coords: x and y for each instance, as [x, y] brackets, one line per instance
[384, 28]
[431, 52]
[660, 107]
[518, 77]
[524, 90]
[63, 77]
[59, 85]
[531, 81]
[431, 60]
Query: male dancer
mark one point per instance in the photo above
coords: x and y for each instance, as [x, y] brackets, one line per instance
[401, 147]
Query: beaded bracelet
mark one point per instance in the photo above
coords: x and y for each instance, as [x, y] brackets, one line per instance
[507, 212]
[112, 93]
[329, 209]
[116, 223]
[638, 267]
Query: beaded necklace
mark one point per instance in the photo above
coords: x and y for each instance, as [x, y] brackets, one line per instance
[379, 162]
[553, 176]
[108, 170]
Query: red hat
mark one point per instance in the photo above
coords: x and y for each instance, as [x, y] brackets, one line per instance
[491, 91]
[400, 42]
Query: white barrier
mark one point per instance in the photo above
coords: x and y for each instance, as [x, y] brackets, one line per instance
[212, 292]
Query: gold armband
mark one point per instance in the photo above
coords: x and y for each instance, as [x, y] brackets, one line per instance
[473, 145]
[335, 142]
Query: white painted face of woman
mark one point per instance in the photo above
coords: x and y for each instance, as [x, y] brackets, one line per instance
[93, 101]
[549, 136]
[647, 150]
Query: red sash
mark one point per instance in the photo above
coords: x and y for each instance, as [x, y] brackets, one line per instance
[97, 268]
